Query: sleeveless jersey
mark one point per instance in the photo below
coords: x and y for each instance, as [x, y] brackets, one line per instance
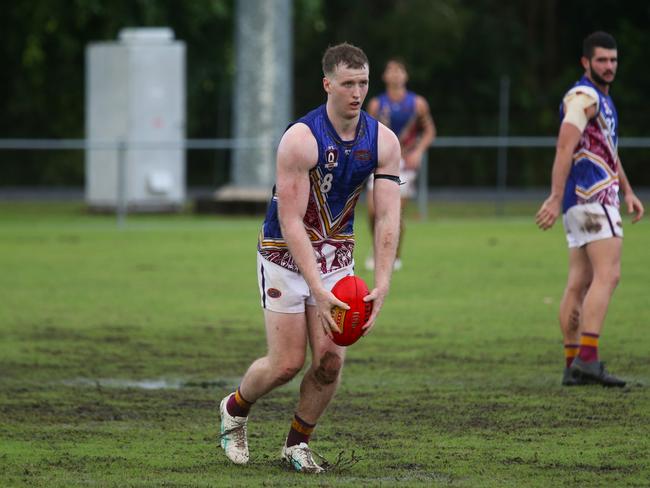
[401, 117]
[594, 173]
[335, 185]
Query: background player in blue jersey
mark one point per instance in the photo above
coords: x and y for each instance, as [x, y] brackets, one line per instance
[408, 115]
[306, 245]
[587, 175]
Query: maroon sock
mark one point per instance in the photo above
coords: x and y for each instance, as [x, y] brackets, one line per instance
[237, 405]
[570, 352]
[588, 347]
[299, 432]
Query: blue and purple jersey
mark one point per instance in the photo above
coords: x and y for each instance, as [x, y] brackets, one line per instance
[401, 117]
[594, 173]
[336, 181]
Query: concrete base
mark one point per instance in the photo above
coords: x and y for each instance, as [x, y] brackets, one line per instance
[235, 200]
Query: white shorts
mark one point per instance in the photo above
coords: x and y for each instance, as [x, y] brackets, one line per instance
[286, 291]
[590, 222]
[408, 177]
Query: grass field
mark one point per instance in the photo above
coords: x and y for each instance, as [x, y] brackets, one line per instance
[117, 345]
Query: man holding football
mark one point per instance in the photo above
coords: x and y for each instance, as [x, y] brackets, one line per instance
[587, 174]
[306, 245]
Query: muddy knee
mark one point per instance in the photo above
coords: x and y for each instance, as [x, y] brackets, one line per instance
[328, 370]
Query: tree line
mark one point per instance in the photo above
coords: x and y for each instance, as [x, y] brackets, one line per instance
[456, 50]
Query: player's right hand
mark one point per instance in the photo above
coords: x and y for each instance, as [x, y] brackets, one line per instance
[548, 213]
[325, 302]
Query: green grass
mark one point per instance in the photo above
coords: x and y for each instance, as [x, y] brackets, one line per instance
[457, 386]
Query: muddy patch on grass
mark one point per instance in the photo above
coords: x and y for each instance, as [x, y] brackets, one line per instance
[573, 467]
[152, 384]
[50, 332]
[78, 405]
[159, 384]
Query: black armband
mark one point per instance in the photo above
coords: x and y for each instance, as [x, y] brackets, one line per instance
[390, 177]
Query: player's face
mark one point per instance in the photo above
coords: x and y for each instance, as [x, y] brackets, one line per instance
[602, 66]
[395, 74]
[347, 89]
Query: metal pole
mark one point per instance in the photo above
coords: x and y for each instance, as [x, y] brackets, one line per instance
[502, 158]
[121, 208]
[262, 91]
[423, 187]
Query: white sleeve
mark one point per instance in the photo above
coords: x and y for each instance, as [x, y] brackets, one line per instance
[576, 101]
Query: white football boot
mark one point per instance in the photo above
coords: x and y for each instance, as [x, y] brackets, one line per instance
[234, 438]
[300, 458]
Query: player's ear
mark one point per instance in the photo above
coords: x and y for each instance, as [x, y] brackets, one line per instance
[585, 62]
[326, 84]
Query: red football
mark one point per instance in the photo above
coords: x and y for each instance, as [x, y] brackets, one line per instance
[350, 290]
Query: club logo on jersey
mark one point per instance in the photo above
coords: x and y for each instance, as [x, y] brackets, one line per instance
[274, 293]
[362, 155]
[331, 157]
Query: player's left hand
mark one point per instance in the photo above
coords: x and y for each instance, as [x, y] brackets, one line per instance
[376, 296]
[634, 205]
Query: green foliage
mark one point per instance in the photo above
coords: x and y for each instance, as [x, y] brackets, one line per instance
[457, 51]
[42, 89]
[458, 385]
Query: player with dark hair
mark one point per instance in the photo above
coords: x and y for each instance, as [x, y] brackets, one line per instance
[408, 115]
[587, 174]
[306, 245]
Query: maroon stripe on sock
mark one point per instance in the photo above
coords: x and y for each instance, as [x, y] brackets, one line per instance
[570, 357]
[235, 409]
[296, 437]
[588, 353]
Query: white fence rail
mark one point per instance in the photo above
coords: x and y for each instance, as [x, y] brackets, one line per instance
[496, 142]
